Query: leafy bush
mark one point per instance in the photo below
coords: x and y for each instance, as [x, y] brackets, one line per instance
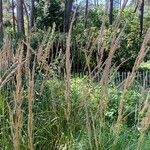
[128, 47]
[145, 66]
[48, 13]
[53, 130]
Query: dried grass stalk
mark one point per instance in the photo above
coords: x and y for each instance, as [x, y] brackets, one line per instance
[15, 110]
[30, 107]
[68, 69]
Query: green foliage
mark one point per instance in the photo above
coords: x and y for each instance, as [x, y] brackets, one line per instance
[145, 66]
[51, 128]
[129, 45]
[49, 12]
[1, 103]
[130, 41]
[37, 37]
[54, 131]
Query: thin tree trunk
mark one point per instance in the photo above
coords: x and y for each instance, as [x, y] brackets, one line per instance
[27, 16]
[1, 21]
[86, 13]
[141, 17]
[68, 7]
[120, 4]
[111, 12]
[95, 3]
[13, 16]
[20, 16]
[32, 12]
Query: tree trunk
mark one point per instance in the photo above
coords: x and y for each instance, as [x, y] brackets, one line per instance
[1, 20]
[95, 3]
[32, 12]
[27, 16]
[13, 16]
[68, 7]
[86, 13]
[20, 16]
[141, 17]
[111, 12]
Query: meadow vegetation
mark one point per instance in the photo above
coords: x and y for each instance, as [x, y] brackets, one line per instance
[57, 90]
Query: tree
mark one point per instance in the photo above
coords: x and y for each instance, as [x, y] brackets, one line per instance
[48, 13]
[1, 20]
[32, 12]
[86, 12]
[20, 16]
[111, 12]
[68, 9]
[13, 16]
[141, 17]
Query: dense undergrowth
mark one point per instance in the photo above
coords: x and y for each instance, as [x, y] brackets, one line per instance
[44, 104]
[52, 130]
